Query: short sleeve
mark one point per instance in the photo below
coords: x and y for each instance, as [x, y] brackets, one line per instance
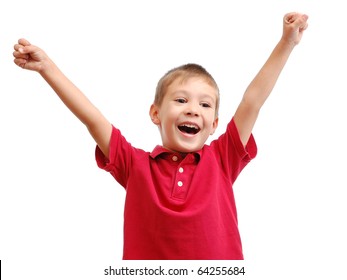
[119, 159]
[233, 155]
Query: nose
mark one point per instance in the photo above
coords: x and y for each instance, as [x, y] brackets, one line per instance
[192, 110]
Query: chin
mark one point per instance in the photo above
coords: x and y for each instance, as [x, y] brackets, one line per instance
[189, 149]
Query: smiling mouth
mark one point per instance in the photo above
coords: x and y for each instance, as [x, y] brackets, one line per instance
[189, 128]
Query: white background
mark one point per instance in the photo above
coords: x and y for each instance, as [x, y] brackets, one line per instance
[61, 217]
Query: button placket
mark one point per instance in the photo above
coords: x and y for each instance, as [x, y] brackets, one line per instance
[178, 177]
[180, 187]
[180, 183]
[183, 176]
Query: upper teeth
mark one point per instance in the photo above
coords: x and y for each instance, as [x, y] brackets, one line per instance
[191, 125]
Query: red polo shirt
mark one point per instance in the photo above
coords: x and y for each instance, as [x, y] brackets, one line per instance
[178, 207]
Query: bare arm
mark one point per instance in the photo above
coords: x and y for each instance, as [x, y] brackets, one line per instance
[261, 86]
[33, 58]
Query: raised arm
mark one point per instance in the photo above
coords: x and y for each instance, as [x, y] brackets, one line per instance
[261, 86]
[33, 58]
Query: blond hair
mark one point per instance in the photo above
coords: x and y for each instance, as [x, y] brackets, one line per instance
[183, 73]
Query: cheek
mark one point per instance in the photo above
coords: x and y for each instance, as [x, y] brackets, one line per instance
[169, 113]
[210, 118]
[167, 120]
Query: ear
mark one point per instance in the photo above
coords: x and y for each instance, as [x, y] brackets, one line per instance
[214, 125]
[153, 113]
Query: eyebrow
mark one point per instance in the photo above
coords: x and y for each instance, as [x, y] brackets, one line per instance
[203, 95]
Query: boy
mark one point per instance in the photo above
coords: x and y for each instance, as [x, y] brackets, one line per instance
[179, 198]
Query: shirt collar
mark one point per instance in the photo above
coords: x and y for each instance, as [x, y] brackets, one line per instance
[160, 150]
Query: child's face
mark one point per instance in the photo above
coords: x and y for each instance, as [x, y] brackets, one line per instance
[186, 116]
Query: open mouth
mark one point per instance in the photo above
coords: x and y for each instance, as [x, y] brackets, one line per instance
[189, 128]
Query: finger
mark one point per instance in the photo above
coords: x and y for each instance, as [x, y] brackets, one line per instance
[27, 49]
[23, 46]
[304, 27]
[18, 54]
[20, 62]
[304, 19]
[289, 18]
[17, 47]
[295, 17]
[301, 22]
[24, 42]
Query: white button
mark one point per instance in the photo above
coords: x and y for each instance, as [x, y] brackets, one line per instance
[174, 158]
[179, 183]
[180, 170]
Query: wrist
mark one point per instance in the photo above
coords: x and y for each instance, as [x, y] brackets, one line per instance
[47, 66]
[286, 45]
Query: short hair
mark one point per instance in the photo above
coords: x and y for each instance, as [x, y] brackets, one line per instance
[184, 72]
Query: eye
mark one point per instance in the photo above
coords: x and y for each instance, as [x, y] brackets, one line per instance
[205, 105]
[180, 100]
